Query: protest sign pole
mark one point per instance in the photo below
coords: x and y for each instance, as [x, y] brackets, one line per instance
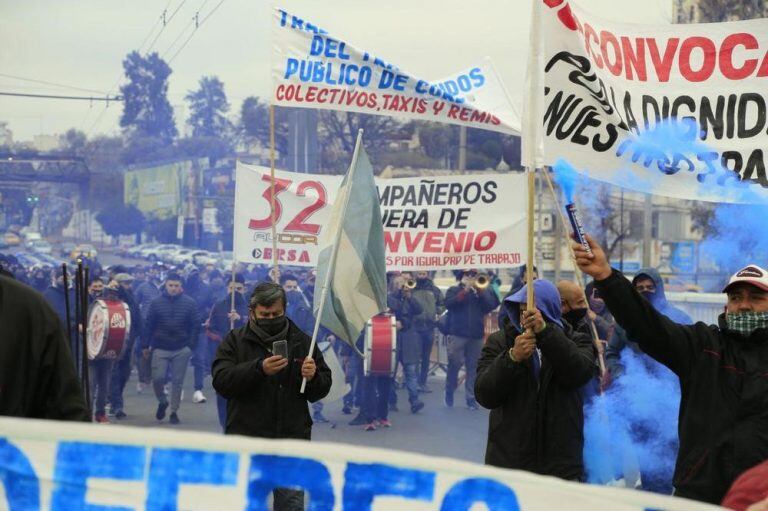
[335, 251]
[531, 231]
[272, 186]
[577, 274]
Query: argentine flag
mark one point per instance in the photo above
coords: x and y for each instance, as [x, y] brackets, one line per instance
[353, 253]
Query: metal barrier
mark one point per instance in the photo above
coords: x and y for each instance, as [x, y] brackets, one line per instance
[704, 307]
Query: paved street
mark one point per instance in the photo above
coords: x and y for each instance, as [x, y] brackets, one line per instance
[436, 430]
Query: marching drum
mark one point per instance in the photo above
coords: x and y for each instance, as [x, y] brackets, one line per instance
[109, 324]
[380, 346]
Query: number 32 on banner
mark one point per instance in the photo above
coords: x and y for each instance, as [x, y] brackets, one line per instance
[298, 223]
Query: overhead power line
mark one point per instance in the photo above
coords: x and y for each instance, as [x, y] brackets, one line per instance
[198, 24]
[53, 96]
[54, 84]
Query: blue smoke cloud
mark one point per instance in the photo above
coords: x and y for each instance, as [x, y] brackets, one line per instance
[740, 237]
[567, 178]
[633, 424]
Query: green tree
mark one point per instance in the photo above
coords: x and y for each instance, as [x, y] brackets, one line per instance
[74, 142]
[146, 109]
[254, 124]
[439, 141]
[213, 148]
[208, 106]
[119, 219]
[729, 10]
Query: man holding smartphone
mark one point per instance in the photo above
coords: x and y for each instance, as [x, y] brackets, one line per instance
[259, 369]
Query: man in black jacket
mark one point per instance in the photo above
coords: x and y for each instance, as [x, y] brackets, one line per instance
[467, 305]
[223, 317]
[429, 296]
[37, 374]
[531, 383]
[171, 331]
[262, 389]
[722, 370]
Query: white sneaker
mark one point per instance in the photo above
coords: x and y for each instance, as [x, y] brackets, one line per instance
[198, 397]
[139, 387]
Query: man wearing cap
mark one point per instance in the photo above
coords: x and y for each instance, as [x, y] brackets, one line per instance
[723, 422]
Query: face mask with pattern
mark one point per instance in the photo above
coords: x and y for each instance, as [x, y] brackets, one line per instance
[746, 322]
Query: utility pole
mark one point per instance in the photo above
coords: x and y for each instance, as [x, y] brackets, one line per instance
[647, 228]
[462, 148]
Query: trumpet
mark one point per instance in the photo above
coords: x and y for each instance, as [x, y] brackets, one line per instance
[409, 284]
[482, 281]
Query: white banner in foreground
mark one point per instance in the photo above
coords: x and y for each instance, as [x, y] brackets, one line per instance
[311, 69]
[430, 223]
[611, 89]
[47, 465]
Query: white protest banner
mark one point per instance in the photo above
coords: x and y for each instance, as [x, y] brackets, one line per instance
[429, 223]
[311, 69]
[57, 466]
[612, 91]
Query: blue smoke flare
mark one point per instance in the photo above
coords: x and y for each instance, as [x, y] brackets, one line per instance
[633, 424]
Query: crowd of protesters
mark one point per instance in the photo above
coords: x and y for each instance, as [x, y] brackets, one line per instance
[535, 374]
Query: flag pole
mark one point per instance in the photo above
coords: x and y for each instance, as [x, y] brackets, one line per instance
[529, 268]
[579, 279]
[272, 184]
[334, 253]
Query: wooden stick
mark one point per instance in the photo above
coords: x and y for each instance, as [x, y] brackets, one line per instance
[577, 275]
[272, 182]
[529, 269]
[232, 297]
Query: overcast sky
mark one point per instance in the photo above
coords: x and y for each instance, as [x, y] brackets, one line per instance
[81, 43]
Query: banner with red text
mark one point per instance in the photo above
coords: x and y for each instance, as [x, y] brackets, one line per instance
[429, 223]
[676, 110]
[311, 69]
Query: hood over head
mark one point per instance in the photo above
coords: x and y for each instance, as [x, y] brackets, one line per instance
[547, 300]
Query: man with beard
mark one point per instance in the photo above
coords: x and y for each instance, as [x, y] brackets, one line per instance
[529, 376]
[122, 284]
[171, 337]
[262, 388]
[721, 368]
[223, 317]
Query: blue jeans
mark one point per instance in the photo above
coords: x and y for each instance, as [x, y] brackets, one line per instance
[121, 371]
[200, 361]
[412, 381]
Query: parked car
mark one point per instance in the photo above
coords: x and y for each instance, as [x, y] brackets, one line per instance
[32, 236]
[12, 239]
[66, 248]
[158, 253]
[181, 256]
[30, 261]
[40, 246]
[203, 257]
[136, 250]
[49, 259]
[83, 250]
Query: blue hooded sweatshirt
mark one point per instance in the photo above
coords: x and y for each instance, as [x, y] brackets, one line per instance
[547, 300]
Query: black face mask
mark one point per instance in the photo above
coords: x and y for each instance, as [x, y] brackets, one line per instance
[649, 295]
[574, 316]
[272, 326]
[294, 297]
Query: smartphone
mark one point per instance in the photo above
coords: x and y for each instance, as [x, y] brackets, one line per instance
[280, 348]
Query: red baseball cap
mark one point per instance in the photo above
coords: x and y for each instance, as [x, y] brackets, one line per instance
[752, 274]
